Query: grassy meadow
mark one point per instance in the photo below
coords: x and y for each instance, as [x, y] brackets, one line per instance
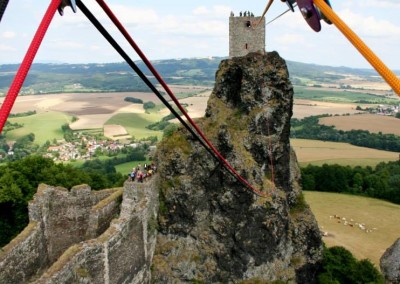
[45, 126]
[319, 152]
[126, 168]
[369, 122]
[337, 95]
[381, 218]
[135, 123]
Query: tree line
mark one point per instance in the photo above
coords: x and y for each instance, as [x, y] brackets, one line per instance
[383, 182]
[309, 128]
[19, 181]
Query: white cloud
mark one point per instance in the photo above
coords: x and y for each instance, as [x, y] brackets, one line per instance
[380, 3]
[290, 39]
[65, 44]
[201, 10]
[135, 15]
[8, 34]
[4, 47]
[212, 12]
[369, 26]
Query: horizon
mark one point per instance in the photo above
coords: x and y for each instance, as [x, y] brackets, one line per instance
[192, 58]
[190, 30]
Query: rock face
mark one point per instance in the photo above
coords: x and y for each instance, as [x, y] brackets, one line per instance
[390, 263]
[211, 228]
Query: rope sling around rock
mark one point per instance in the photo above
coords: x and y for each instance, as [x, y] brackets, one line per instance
[31, 53]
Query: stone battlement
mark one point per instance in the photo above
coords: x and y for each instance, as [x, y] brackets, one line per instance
[77, 236]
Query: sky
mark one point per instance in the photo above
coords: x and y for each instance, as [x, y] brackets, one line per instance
[186, 29]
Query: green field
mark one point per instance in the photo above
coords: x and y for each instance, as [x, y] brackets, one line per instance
[317, 153]
[126, 168]
[380, 217]
[135, 123]
[337, 96]
[45, 126]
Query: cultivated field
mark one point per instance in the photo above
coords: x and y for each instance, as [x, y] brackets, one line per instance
[93, 111]
[45, 126]
[381, 219]
[370, 122]
[320, 152]
[303, 108]
[135, 123]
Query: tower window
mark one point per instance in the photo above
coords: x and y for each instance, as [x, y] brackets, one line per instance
[246, 46]
[248, 24]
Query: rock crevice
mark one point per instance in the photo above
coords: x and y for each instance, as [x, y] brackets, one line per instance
[211, 228]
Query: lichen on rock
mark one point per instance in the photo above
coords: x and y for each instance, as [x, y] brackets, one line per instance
[211, 228]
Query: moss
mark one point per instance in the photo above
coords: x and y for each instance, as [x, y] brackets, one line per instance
[300, 205]
[116, 196]
[152, 225]
[64, 258]
[163, 208]
[82, 272]
[107, 234]
[176, 141]
[20, 238]
[297, 261]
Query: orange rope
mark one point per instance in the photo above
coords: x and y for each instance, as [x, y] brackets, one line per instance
[265, 12]
[368, 54]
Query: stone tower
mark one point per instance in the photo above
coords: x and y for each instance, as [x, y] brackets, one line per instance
[245, 35]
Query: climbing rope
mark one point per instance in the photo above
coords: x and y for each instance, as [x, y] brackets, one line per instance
[368, 54]
[265, 12]
[175, 100]
[132, 64]
[26, 63]
[3, 6]
[277, 17]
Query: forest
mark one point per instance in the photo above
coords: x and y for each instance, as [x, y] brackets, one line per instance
[19, 181]
[309, 128]
[383, 182]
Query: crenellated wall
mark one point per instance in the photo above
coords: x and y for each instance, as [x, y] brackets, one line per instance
[85, 236]
[123, 253]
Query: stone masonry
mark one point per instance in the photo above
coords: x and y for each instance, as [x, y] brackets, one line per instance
[245, 36]
[85, 237]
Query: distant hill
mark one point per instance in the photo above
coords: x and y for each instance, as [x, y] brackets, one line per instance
[118, 77]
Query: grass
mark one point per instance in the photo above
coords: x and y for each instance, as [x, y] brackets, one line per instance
[126, 168]
[371, 122]
[45, 126]
[381, 215]
[135, 123]
[319, 152]
[337, 96]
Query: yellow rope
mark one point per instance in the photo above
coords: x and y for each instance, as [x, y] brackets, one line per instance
[379, 66]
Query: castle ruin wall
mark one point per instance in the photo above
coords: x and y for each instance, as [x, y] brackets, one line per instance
[123, 253]
[58, 219]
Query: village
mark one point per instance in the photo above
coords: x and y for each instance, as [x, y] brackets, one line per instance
[90, 147]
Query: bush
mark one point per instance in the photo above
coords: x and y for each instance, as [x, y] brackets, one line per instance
[340, 266]
[170, 129]
[149, 105]
[133, 100]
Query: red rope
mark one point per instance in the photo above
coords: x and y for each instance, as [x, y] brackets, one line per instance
[26, 63]
[121, 28]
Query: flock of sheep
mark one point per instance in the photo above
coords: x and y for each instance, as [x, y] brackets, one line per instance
[348, 222]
